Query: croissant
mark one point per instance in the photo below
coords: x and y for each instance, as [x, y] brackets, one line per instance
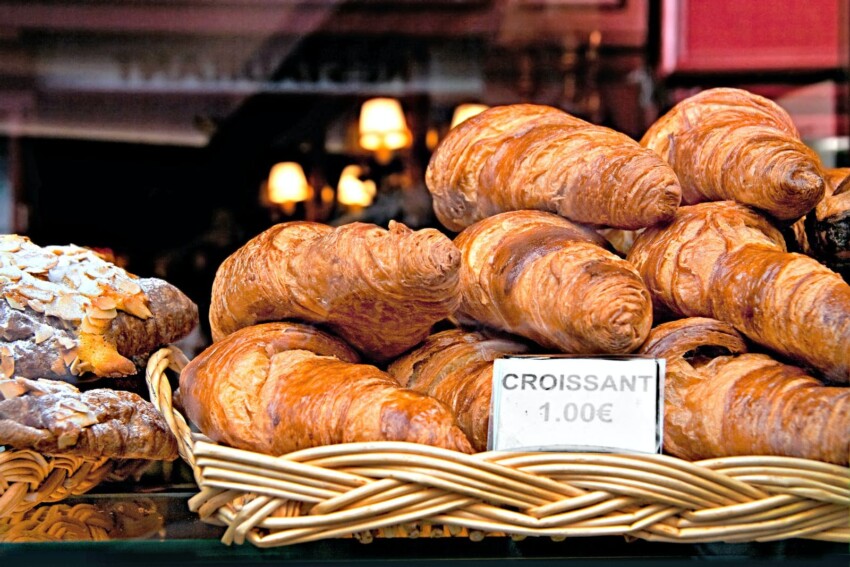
[380, 290]
[725, 261]
[456, 367]
[54, 417]
[262, 389]
[731, 144]
[66, 312]
[538, 275]
[721, 400]
[827, 228]
[526, 156]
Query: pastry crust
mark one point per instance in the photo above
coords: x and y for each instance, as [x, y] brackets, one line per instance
[261, 389]
[721, 400]
[731, 144]
[540, 276]
[381, 290]
[456, 367]
[725, 261]
[53, 417]
[527, 156]
[65, 313]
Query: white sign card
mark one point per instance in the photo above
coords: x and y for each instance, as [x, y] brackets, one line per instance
[563, 403]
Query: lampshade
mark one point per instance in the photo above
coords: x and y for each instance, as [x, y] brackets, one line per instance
[352, 191]
[382, 125]
[467, 110]
[288, 185]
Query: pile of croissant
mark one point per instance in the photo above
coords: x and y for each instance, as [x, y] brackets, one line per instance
[560, 236]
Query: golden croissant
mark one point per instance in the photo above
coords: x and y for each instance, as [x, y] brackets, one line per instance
[732, 144]
[527, 156]
[380, 290]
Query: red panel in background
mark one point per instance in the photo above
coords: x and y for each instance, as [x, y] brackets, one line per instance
[705, 36]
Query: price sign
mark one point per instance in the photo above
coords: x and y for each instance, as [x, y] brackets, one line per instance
[564, 403]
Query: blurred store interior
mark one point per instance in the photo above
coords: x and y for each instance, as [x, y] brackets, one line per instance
[153, 129]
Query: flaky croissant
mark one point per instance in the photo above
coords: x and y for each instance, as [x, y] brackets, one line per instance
[721, 400]
[381, 290]
[540, 276]
[732, 144]
[527, 156]
[456, 367]
[725, 261]
[262, 389]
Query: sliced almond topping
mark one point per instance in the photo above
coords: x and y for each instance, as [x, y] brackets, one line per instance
[42, 333]
[99, 270]
[15, 302]
[78, 412]
[11, 389]
[128, 287]
[36, 305]
[36, 262]
[12, 272]
[96, 313]
[10, 243]
[89, 287]
[35, 292]
[68, 306]
[137, 306]
[105, 302]
[72, 279]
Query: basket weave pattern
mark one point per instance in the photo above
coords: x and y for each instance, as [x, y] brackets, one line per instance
[390, 489]
[122, 519]
[29, 478]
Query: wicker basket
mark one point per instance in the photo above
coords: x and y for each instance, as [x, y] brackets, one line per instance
[123, 519]
[389, 489]
[29, 478]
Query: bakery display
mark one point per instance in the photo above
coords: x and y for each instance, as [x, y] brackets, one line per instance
[722, 400]
[379, 289]
[725, 261]
[68, 313]
[526, 156]
[261, 388]
[348, 386]
[732, 144]
[541, 276]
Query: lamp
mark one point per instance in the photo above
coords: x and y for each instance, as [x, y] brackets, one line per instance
[353, 192]
[466, 110]
[287, 185]
[383, 127]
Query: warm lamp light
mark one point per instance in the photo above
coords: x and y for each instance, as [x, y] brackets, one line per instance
[467, 110]
[353, 192]
[288, 185]
[383, 127]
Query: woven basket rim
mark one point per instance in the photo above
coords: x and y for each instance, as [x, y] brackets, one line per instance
[399, 489]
